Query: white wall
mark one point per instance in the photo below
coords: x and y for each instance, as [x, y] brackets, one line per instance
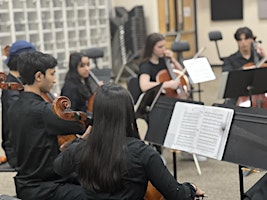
[204, 25]
[228, 44]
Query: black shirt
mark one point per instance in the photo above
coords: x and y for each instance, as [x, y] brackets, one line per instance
[8, 97]
[143, 164]
[33, 130]
[152, 69]
[236, 61]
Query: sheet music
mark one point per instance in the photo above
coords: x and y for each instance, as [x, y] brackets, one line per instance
[199, 129]
[199, 70]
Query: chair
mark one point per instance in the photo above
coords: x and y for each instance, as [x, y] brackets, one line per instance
[215, 36]
[180, 47]
[102, 74]
[134, 88]
[5, 167]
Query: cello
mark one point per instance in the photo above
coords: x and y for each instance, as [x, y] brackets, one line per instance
[182, 91]
[256, 100]
[91, 99]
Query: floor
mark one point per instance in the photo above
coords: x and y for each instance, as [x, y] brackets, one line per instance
[219, 179]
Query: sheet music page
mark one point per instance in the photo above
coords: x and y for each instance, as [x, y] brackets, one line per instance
[199, 129]
[199, 70]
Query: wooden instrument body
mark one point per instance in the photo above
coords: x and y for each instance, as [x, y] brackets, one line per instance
[257, 100]
[183, 91]
[63, 140]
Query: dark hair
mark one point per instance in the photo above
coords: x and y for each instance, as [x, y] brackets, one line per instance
[243, 30]
[151, 41]
[72, 75]
[33, 61]
[104, 153]
[12, 63]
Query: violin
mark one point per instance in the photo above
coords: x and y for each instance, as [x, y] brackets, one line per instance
[9, 85]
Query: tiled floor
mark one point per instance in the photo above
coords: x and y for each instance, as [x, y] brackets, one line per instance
[219, 178]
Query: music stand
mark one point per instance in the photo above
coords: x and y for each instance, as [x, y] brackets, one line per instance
[247, 140]
[158, 122]
[147, 100]
[243, 83]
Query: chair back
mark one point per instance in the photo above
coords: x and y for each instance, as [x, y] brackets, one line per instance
[134, 88]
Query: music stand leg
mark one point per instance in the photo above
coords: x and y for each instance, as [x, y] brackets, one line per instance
[197, 164]
[241, 182]
[129, 70]
[174, 165]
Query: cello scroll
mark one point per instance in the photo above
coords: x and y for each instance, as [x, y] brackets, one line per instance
[61, 107]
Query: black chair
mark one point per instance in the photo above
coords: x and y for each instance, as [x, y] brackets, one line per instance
[102, 74]
[215, 36]
[95, 53]
[180, 47]
[134, 88]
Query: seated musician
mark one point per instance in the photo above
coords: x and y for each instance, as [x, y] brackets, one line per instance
[153, 61]
[9, 96]
[249, 53]
[78, 87]
[112, 162]
[34, 129]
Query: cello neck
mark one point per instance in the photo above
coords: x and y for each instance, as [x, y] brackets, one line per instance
[95, 79]
[170, 69]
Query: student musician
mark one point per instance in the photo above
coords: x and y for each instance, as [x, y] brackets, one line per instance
[34, 129]
[249, 51]
[9, 96]
[153, 61]
[78, 87]
[112, 162]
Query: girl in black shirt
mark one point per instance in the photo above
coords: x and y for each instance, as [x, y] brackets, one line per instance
[112, 162]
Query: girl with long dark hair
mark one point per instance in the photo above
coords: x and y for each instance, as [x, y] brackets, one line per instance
[77, 85]
[112, 162]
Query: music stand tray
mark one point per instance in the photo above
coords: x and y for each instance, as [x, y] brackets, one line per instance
[147, 100]
[243, 83]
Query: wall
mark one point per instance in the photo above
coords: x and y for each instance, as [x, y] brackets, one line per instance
[228, 44]
[204, 25]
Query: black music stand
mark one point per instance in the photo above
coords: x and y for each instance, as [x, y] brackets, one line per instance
[158, 122]
[243, 83]
[247, 140]
[147, 100]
